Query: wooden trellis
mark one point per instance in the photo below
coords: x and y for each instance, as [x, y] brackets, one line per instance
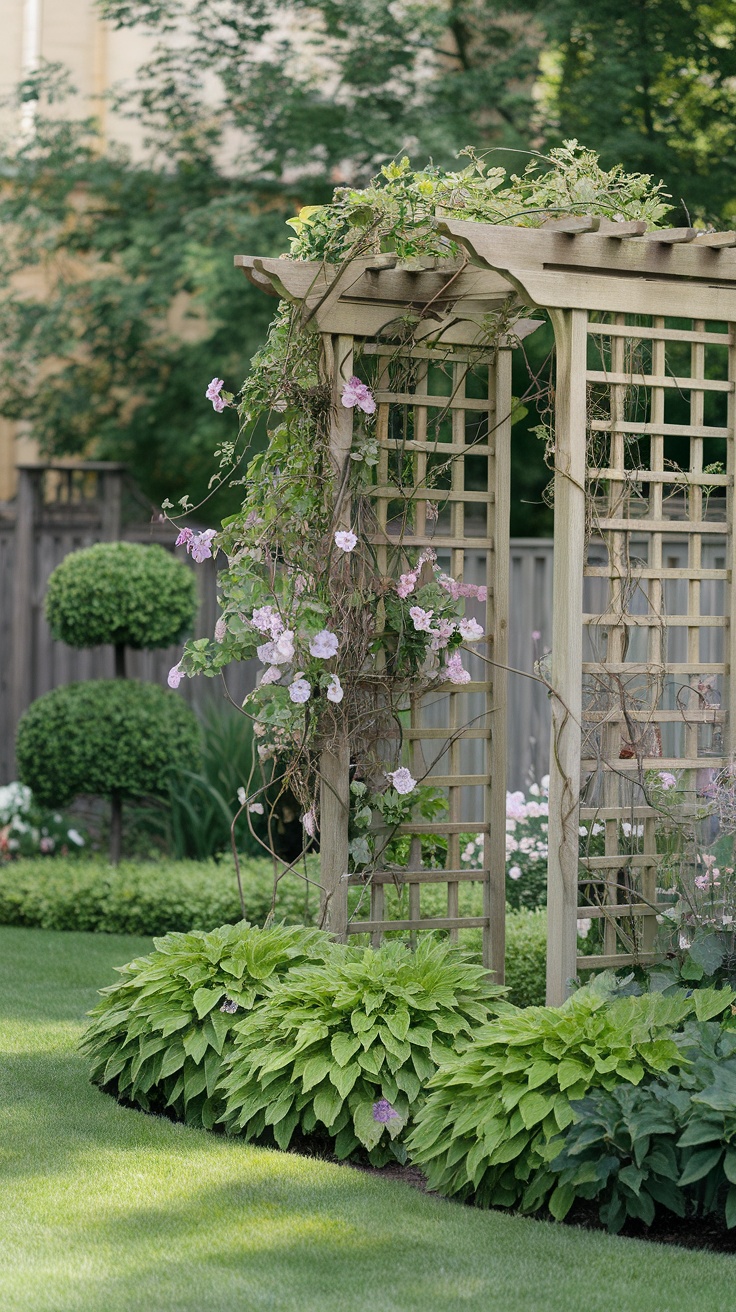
[443, 426]
[644, 327]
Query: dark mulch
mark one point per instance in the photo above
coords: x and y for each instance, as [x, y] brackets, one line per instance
[700, 1232]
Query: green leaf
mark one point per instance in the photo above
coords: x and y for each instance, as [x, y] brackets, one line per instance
[534, 1107]
[569, 1072]
[367, 1129]
[729, 1165]
[344, 1078]
[205, 999]
[195, 1045]
[343, 1047]
[314, 1071]
[561, 1201]
[327, 1103]
[730, 1209]
[706, 950]
[699, 1165]
[711, 1002]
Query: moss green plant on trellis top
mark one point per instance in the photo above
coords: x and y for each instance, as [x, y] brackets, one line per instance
[337, 639]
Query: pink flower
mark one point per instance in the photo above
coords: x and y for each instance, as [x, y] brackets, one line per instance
[515, 872]
[421, 619]
[470, 630]
[283, 647]
[267, 620]
[309, 820]
[346, 540]
[356, 393]
[46, 844]
[300, 691]
[334, 690]
[221, 630]
[667, 780]
[213, 394]
[175, 676]
[271, 675]
[186, 536]
[406, 584]
[200, 546]
[442, 634]
[402, 780]
[536, 635]
[324, 645]
[455, 671]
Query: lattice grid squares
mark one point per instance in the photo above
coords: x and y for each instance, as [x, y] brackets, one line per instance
[660, 487]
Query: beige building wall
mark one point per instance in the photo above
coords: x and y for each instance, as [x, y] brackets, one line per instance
[68, 32]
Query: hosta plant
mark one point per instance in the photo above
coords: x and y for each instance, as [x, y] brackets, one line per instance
[343, 1050]
[668, 1143]
[485, 1128]
[160, 1035]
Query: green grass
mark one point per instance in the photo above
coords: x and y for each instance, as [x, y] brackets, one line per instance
[108, 1210]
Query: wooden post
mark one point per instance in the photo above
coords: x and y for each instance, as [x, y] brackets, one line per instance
[498, 627]
[335, 765]
[23, 601]
[570, 328]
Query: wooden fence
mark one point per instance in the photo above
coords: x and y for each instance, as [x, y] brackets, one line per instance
[62, 507]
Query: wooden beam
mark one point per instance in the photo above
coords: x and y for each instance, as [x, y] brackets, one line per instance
[670, 236]
[716, 241]
[573, 224]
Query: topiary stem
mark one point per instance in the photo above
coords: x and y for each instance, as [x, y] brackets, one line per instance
[119, 660]
[116, 828]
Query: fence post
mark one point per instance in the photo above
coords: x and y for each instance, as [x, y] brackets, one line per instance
[23, 601]
[335, 765]
[567, 651]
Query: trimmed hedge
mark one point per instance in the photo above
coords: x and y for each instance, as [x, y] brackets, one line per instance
[121, 593]
[104, 736]
[158, 897]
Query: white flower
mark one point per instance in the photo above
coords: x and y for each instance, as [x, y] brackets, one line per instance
[242, 796]
[309, 820]
[335, 690]
[421, 619]
[324, 645]
[470, 630]
[346, 540]
[266, 652]
[75, 837]
[267, 620]
[402, 780]
[515, 872]
[300, 691]
[684, 942]
[271, 675]
[175, 676]
[455, 671]
[221, 630]
[284, 647]
[584, 925]
[256, 808]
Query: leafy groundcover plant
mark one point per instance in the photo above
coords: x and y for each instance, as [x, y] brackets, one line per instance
[342, 1051]
[159, 1036]
[667, 1143]
[484, 1131]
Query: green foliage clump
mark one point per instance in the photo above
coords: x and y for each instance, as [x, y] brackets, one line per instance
[345, 1048]
[103, 737]
[526, 957]
[492, 1111]
[148, 897]
[668, 1143]
[160, 1036]
[121, 593]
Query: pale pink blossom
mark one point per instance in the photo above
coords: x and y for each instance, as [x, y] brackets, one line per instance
[406, 585]
[470, 630]
[454, 669]
[335, 690]
[355, 393]
[267, 620]
[213, 394]
[324, 645]
[284, 647]
[442, 634]
[309, 820]
[346, 540]
[256, 808]
[186, 536]
[667, 780]
[175, 676]
[266, 653]
[221, 630]
[271, 675]
[201, 545]
[421, 619]
[300, 691]
[402, 780]
[515, 872]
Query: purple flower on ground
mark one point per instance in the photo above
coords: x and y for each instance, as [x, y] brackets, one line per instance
[175, 676]
[356, 393]
[383, 1112]
[230, 1006]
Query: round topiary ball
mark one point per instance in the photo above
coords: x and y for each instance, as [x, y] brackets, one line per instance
[121, 593]
[103, 737]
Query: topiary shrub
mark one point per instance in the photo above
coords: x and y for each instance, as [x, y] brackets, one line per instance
[122, 593]
[104, 737]
[492, 1111]
[345, 1048]
[159, 1037]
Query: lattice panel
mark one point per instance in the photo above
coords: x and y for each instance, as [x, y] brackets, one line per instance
[656, 622]
[442, 480]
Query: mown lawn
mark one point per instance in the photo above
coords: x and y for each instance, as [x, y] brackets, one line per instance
[108, 1210]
